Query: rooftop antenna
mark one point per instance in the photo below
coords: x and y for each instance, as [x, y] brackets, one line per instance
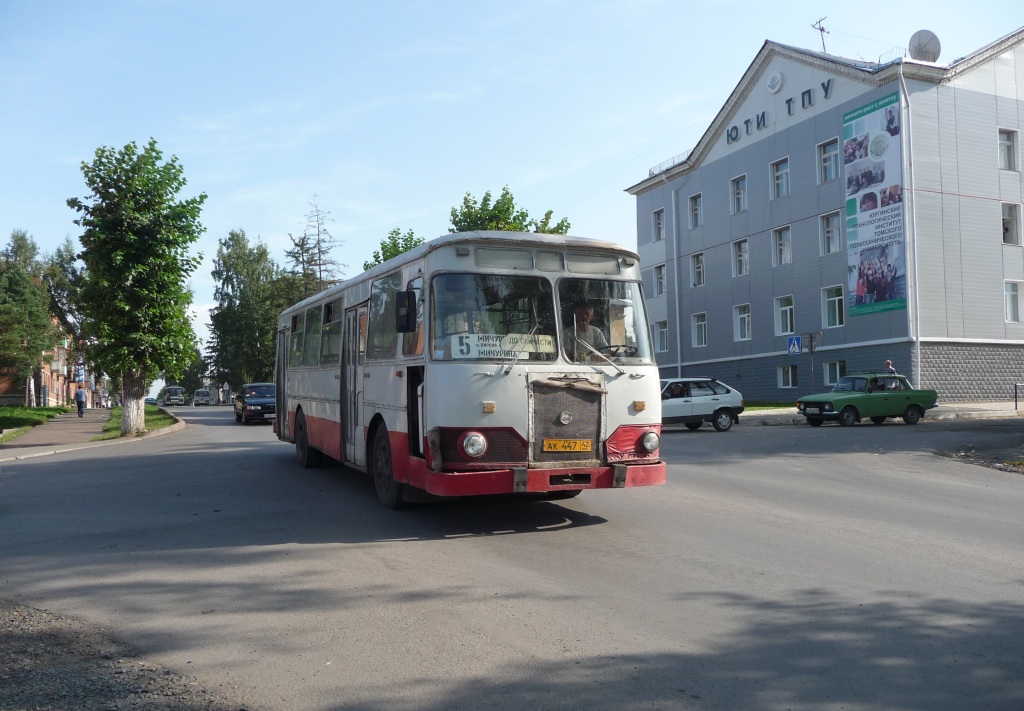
[821, 29]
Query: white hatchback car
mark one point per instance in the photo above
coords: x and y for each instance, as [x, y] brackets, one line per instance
[694, 401]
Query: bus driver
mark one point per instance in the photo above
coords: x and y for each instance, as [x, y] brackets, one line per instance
[583, 331]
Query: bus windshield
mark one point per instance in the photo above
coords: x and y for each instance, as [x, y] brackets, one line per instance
[497, 317]
[604, 316]
[488, 316]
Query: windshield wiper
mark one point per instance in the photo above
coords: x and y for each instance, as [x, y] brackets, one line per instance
[516, 353]
[601, 355]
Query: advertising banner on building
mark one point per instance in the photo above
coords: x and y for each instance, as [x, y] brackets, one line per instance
[875, 239]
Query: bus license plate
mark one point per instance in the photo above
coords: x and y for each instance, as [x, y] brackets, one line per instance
[568, 445]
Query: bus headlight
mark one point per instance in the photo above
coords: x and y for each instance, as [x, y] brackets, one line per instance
[650, 441]
[474, 445]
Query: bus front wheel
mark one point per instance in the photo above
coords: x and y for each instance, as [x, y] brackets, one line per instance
[389, 492]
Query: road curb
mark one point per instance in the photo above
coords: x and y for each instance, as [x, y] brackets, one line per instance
[61, 449]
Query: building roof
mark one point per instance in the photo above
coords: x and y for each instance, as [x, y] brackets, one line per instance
[870, 73]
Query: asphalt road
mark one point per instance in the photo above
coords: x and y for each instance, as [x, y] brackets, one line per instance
[779, 568]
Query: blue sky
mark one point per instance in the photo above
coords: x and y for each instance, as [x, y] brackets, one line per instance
[388, 113]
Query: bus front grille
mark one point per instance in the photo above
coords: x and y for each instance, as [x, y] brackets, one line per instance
[566, 415]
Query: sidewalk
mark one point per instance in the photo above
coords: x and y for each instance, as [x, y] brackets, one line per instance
[67, 433]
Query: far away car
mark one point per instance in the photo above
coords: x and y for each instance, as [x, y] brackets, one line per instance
[202, 397]
[255, 401]
[876, 396]
[693, 401]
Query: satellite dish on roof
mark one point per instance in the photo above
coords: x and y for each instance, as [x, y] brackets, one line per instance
[925, 46]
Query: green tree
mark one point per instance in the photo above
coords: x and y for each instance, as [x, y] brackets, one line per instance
[21, 250]
[501, 214]
[63, 277]
[243, 324]
[195, 374]
[134, 295]
[303, 273]
[310, 255]
[26, 329]
[391, 246]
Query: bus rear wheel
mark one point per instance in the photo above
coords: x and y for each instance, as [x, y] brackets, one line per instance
[308, 456]
[390, 492]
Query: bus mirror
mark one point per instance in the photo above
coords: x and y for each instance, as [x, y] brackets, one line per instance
[405, 312]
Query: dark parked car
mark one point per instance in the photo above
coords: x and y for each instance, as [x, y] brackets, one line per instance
[255, 401]
[876, 396]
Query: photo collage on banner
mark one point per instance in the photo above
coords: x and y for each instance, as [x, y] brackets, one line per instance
[875, 242]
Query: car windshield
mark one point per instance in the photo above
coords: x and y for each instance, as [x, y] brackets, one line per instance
[259, 391]
[850, 384]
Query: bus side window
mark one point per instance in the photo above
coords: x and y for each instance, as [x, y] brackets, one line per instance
[412, 343]
[330, 341]
[311, 343]
[383, 338]
[295, 346]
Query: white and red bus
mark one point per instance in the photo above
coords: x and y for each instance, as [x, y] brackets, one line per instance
[478, 363]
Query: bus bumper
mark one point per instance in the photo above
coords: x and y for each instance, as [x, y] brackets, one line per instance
[523, 480]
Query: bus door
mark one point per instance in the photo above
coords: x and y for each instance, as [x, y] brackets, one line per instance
[281, 396]
[352, 357]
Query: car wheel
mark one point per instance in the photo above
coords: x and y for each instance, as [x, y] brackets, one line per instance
[389, 492]
[814, 421]
[848, 417]
[913, 415]
[308, 456]
[878, 420]
[722, 420]
[693, 425]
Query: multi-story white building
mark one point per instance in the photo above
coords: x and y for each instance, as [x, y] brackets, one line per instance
[873, 208]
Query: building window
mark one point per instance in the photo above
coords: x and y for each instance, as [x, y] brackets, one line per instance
[659, 280]
[659, 225]
[699, 330]
[741, 322]
[783, 242]
[661, 335]
[1011, 290]
[738, 187]
[1007, 150]
[834, 370]
[833, 313]
[1011, 223]
[780, 178]
[831, 236]
[740, 258]
[697, 269]
[787, 376]
[696, 211]
[828, 161]
[785, 321]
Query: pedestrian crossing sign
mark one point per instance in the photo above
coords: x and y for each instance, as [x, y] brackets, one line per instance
[794, 345]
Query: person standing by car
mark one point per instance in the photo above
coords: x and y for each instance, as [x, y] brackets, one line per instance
[80, 401]
[889, 369]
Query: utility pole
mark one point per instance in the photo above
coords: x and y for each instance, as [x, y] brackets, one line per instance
[821, 29]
